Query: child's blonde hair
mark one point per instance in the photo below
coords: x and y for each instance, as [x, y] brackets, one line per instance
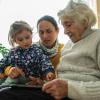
[17, 27]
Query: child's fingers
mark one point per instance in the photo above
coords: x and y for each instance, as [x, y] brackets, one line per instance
[50, 76]
[19, 71]
[14, 72]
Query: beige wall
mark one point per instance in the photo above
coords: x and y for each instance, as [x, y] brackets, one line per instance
[98, 12]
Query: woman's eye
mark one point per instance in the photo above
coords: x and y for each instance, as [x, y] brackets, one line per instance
[41, 32]
[68, 25]
[49, 31]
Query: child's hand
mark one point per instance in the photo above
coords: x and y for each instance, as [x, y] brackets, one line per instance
[2, 75]
[15, 72]
[35, 81]
[50, 76]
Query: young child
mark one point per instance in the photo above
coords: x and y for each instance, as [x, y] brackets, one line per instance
[25, 59]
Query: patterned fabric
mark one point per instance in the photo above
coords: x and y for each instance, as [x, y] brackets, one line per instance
[53, 53]
[31, 60]
[50, 52]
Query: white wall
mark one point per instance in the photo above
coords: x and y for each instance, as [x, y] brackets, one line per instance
[30, 11]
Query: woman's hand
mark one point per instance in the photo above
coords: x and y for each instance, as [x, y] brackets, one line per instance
[56, 88]
[15, 72]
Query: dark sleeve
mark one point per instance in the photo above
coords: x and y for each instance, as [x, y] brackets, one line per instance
[6, 61]
[44, 61]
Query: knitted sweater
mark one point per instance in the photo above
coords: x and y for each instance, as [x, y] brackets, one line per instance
[80, 67]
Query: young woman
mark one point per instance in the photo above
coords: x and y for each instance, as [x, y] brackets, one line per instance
[48, 32]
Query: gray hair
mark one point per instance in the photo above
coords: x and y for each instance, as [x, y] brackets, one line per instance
[17, 27]
[80, 12]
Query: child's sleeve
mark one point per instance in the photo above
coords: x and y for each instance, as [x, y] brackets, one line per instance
[6, 61]
[45, 63]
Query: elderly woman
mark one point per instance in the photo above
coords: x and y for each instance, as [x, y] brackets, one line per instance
[79, 69]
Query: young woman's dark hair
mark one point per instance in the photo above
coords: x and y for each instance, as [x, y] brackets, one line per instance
[50, 19]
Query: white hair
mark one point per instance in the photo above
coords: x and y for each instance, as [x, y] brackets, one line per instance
[80, 12]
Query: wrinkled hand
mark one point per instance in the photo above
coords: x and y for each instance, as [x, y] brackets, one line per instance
[15, 72]
[57, 88]
[35, 81]
[50, 76]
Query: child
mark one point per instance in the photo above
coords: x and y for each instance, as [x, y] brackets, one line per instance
[25, 59]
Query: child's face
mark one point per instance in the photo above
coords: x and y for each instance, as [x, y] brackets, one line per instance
[24, 39]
